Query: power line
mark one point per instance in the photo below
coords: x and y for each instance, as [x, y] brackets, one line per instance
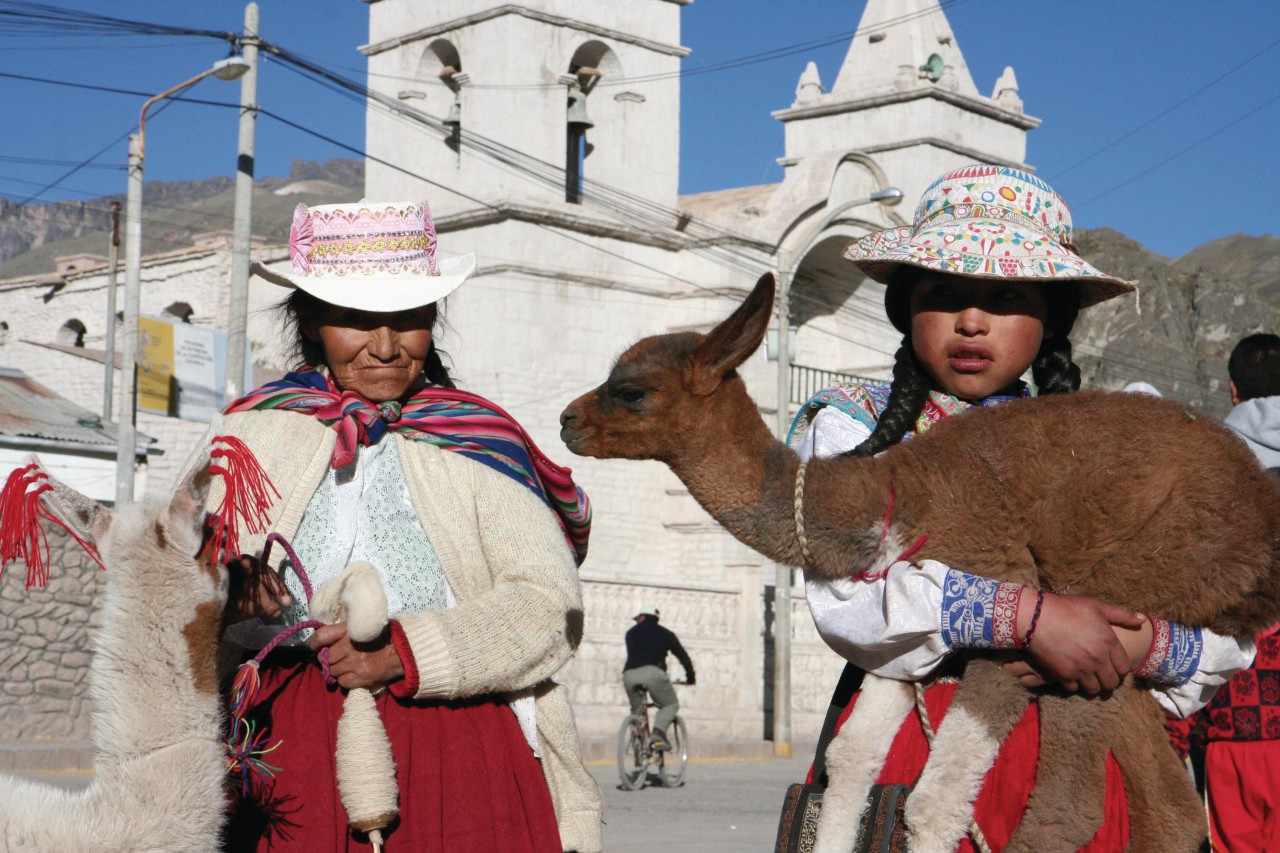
[1215, 81]
[1182, 151]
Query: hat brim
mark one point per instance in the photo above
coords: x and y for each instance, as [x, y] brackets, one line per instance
[968, 247]
[378, 293]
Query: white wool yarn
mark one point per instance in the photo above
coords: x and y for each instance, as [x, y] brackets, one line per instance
[366, 770]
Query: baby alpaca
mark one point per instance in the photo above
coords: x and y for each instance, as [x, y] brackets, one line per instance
[160, 767]
[1121, 497]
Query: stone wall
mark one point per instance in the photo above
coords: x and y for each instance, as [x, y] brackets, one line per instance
[46, 637]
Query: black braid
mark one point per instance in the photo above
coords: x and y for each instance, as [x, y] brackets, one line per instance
[906, 401]
[1053, 370]
[436, 372]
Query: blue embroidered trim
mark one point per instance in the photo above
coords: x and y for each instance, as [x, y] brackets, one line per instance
[968, 608]
[1183, 660]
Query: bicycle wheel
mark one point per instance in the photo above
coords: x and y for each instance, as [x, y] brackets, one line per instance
[633, 753]
[672, 762]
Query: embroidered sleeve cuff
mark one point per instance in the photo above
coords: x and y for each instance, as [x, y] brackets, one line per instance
[407, 687]
[1174, 655]
[978, 612]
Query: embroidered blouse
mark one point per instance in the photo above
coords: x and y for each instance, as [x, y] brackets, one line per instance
[903, 624]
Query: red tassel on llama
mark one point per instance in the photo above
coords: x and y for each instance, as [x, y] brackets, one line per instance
[247, 496]
[22, 516]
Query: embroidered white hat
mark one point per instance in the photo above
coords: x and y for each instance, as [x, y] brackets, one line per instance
[373, 256]
[989, 222]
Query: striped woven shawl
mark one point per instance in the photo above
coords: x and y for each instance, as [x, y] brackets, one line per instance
[454, 420]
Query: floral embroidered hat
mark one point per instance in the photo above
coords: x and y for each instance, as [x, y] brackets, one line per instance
[373, 256]
[991, 222]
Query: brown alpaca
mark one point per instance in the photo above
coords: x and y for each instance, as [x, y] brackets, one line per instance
[1122, 497]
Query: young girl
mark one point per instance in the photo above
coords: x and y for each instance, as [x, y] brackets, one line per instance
[985, 285]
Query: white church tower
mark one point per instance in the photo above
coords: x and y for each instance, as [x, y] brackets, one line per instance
[547, 79]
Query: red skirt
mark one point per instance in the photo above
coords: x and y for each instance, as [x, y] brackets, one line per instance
[468, 780]
[1003, 798]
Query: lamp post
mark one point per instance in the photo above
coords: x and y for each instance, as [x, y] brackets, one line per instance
[126, 433]
[787, 262]
[238, 299]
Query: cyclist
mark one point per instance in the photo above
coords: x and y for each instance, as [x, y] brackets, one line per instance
[646, 671]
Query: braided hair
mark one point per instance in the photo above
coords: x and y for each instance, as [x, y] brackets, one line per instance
[1052, 370]
[300, 310]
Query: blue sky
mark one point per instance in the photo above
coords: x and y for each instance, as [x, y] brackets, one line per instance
[1159, 119]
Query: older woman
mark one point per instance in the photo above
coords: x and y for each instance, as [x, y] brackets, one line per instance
[372, 454]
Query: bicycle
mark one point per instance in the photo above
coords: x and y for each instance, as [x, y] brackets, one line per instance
[636, 752]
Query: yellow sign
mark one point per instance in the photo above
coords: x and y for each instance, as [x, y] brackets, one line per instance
[156, 380]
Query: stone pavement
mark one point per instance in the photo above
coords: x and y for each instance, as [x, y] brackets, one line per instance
[725, 805]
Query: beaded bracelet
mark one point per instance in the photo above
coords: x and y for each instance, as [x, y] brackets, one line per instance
[1035, 617]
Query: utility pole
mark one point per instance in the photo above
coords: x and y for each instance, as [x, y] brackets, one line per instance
[126, 428]
[109, 355]
[238, 299]
[782, 573]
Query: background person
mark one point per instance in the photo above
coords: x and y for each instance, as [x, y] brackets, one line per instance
[1241, 727]
[646, 672]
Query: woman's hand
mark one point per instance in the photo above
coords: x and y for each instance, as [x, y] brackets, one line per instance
[255, 590]
[369, 665]
[1082, 644]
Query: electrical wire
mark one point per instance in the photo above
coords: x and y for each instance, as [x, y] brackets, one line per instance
[1206, 87]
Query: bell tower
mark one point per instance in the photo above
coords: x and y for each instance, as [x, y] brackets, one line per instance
[532, 102]
[904, 95]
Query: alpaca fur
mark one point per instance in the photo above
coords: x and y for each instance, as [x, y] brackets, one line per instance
[1123, 497]
[159, 765]
[856, 758]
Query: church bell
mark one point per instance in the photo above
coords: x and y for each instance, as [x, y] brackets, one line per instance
[577, 115]
[454, 118]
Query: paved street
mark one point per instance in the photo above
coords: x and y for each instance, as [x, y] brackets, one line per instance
[724, 806]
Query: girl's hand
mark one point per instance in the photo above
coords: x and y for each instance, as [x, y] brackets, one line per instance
[1077, 643]
[255, 590]
[369, 665]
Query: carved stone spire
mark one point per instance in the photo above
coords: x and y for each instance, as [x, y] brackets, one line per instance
[895, 38]
[1006, 91]
[809, 88]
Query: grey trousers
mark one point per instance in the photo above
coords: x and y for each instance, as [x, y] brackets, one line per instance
[656, 683]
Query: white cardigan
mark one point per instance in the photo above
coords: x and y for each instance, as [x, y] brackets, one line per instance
[519, 613]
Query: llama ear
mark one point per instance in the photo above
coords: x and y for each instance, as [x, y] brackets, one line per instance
[733, 341]
[189, 498]
[83, 516]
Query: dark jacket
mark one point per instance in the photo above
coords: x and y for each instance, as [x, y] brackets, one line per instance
[648, 644]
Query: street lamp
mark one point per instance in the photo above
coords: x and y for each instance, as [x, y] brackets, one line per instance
[787, 261]
[230, 68]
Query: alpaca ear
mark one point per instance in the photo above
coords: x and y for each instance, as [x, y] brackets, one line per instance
[733, 341]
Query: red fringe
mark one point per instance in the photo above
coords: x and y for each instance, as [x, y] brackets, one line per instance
[247, 497]
[22, 535]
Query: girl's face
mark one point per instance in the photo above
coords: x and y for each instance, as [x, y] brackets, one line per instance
[975, 337]
[379, 356]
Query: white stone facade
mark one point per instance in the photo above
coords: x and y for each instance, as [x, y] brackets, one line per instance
[563, 287]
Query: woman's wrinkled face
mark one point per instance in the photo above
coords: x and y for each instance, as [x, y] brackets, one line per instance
[379, 356]
[975, 337]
